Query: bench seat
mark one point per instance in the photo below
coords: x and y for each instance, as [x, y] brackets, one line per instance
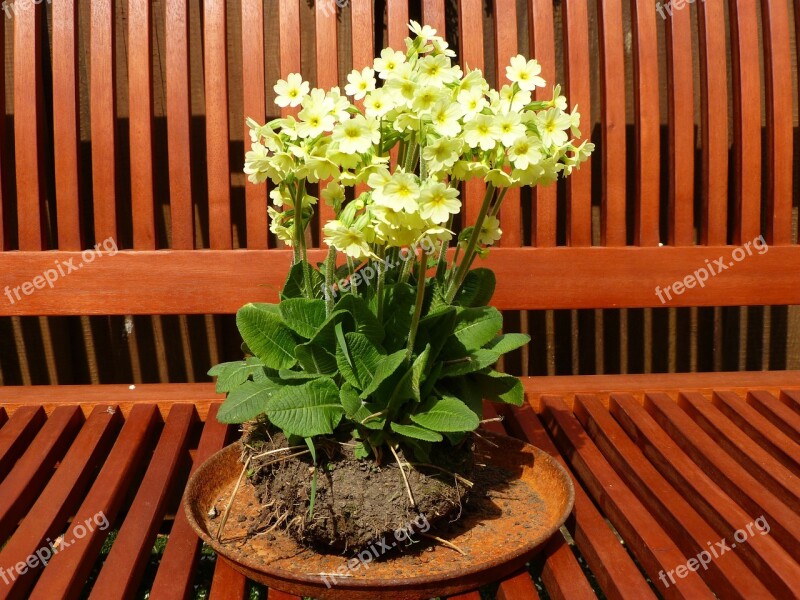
[665, 466]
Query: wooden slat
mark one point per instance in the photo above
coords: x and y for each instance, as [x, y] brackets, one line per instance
[227, 583]
[714, 121]
[770, 472]
[779, 140]
[754, 424]
[746, 120]
[66, 124]
[791, 399]
[762, 553]
[255, 102]
[397, 23]
[141, 123]
[176, 570]
[216, 92]
[680, 100]
[541, 30]
[16, 435]
[48, 517]
[470, 38]
[653, 548]
[776, 412]
[327, 75]
[277, 595]
[362, 28]
[612, 81]
[4, 171]
[506, 46]
[615, 572]
[726, 472]
[103, 111]
[123, 568]
[577, 70]
[433, 14]
[30, 474]
[519, 586]
[28, 127]
[178, 127]
[166, 282]
[728, 576]
[3, 418]
[68, 571]
[646, 122]
[289, 20]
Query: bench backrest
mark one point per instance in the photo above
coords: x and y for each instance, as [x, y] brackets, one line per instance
[666, 202]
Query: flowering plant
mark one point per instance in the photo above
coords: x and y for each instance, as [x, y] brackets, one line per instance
[390, 340]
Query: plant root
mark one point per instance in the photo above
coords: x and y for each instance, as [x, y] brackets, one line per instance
[405, 479]
[443, 542]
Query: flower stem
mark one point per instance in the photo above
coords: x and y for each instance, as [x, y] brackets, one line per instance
[330, 272]
[381, 266]
[412, 334]
[300, 238]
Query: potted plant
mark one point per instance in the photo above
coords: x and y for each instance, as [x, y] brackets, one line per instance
[362, 389]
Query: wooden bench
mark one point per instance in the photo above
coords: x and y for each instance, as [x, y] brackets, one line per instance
[666, 466]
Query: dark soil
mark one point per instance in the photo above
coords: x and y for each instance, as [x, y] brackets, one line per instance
[357, 501]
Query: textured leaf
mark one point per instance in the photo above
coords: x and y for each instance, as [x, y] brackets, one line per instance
[231, 375]
[266, 335]
[386, 368]
[408, 387]
[248, 401]
[302, 315]
[294, 285]
[499, 386]
[416, 432]
[315, 359]
[398, 310]
[474, 361]
[477, 289]
[307, 410]
[475, 327]
[446, 414]
[358, 360]
[508, 342]
[365, 322]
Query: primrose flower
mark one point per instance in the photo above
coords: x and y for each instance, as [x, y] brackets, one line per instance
[482, 131]
[525, 73]
[552, 125]
[388, 62]
[424, 100]
[438, 201]
[472, 101]
[356, 135]
[359, 83]
[291, 91]
[345, 239]
[400, 193]
[442, 154]
[257, 166]
[510, 126]
[315, 116]
[445, 116]
[377, 103]
[423, 32]
[490, 231]
[435, 70]
[525, 151]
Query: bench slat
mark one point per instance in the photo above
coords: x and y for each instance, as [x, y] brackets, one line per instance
[691, 532]
[140, 53]
[518, 586]
[103, 115]
[125, 564]
[652, 546]
[776, 412]
[276, 595]
[216, 92]
[178, 125]
[762, 553]
[327, 55]
[289, 22]
[176, 570]
[397, 23]
[47, 519]
[66, 125]
[16, 435]
[791, 399]
[362, 27]
[254, 102]
[433, 14]
[20, 488]
[227, 584]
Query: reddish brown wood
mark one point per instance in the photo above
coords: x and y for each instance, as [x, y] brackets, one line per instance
[397, 22]
[653, 547]
[255, 102]
[727, 576]
[791, 399]
[47, 519]
[762, 553]
[103, 111]
[541, 32]
[776, 412]
[726, 472]
[3, 417]
[518, 586]
[289, 20]
[466, 596]
[66, 126]
[125, 564]
[4, 173]
[327, 74]
[29, 127]
[577, 67]
[615, 572]
[754, 424]
[16, 435]
[680, 93]
[779, 140]
[646, 122]
[20, 488]
[277, 595]
[227, 584]
[178, 128]
[746, 120]
[433, 15]
[141, 123]
[176, 571]
[216, 92]
[768, 471]
[612, 81]
[714, 122]
[362, 28]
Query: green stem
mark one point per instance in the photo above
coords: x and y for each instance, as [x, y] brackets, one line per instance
[330, 273]
[351, 267]
[412, 334]
[381, 266]
[300, 237]
[441, 267]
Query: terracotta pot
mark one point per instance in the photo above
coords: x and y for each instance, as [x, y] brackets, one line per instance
[526, 512]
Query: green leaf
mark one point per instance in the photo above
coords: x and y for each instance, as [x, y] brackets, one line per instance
[364, 320]
[386, 368]
[508, 342]
[307, 410]
[477, 289]
[474, 361]
[499, 386]
[289, 375]
[416, 432]
[357, 359]
[302, 315]
[248, 401]
[436, 329]
[446, 414]
[231, 375]
[408, 388]
[351, 402]
[294, 287]
[398, 310]
[315, 359]
[475, 327]
[266, 335]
